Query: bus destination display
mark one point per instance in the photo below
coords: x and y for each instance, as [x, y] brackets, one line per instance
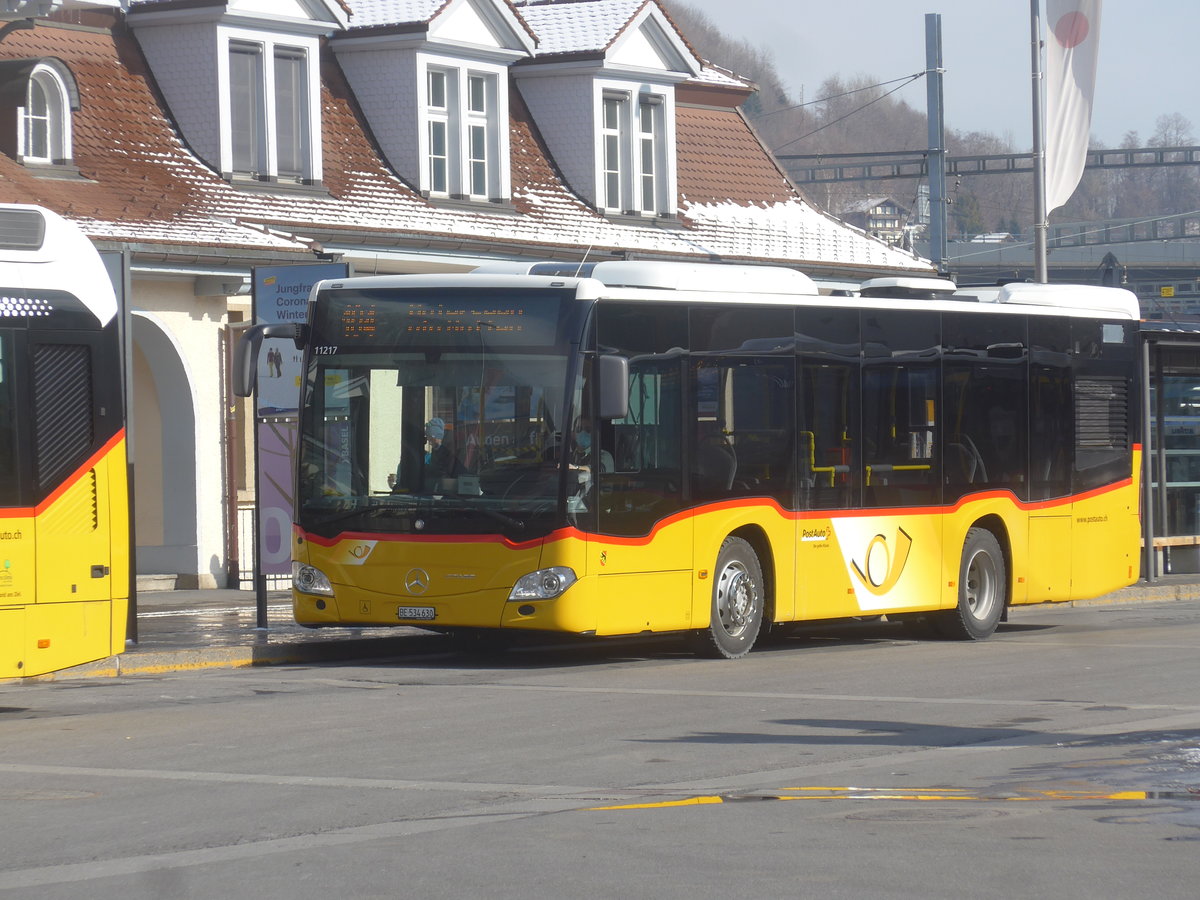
[437, 319]
[361, 319]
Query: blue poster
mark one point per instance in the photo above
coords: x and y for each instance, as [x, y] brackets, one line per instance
[281, 295]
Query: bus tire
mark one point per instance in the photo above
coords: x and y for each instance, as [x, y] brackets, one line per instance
[982, 589]
[737, 601]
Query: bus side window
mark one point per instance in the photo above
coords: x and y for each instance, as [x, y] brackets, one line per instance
[647, 444]
[1050, 423]
[829, 438]
[985, 431]
[900, 407]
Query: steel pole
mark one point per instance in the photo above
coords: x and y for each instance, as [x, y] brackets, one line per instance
[1040, 226]
[937, 141]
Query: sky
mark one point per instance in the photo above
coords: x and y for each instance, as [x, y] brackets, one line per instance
[1147, 62]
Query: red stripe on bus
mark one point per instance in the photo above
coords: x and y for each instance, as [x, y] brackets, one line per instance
[67, 483]
[557, 535]
[724, 505]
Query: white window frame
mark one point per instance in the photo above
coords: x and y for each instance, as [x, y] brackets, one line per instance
[247, 126]
[273, 128]
[480, 130]
[650, 155]
[473, 121]
[614, 152]
[634, 152]
[440, 95]
[293, 164]
[55, 121]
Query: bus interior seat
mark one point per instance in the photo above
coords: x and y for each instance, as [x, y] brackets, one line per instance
[969, 459]
[716, 463]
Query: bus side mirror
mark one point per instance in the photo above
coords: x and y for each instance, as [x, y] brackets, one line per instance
[613, 373]
[245, 353]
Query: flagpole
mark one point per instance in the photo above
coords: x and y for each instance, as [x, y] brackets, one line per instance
[1039, 151]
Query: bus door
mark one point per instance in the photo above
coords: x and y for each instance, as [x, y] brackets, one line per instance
[897, 552]
[642, 552]
[828, 458]
[741, 438]
[1051, 438]
[71, 418]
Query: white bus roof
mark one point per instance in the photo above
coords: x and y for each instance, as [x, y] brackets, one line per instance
[671, 276]
[773, 284]
[40, 250]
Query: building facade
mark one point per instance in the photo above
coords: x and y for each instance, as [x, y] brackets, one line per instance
[200, 139]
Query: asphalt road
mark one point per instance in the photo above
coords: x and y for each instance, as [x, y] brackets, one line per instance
[1059, 759]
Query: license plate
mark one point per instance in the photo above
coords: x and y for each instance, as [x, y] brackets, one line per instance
[416, 612]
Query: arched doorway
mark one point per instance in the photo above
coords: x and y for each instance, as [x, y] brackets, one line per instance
[163, 432]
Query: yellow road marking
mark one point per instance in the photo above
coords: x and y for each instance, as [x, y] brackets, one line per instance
[909, 794]
[690, 801]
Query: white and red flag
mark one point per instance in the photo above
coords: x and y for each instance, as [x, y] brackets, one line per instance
[1072, 50]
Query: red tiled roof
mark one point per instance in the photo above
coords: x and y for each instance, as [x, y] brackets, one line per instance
[139, 182]
[141, 185]
[721, 160]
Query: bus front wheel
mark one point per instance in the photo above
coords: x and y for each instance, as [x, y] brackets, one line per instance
[982, 589]
[737, 601]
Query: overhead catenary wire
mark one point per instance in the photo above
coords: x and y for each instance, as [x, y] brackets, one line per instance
[905, 82]
[859, 90]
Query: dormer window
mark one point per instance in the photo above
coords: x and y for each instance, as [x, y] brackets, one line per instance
[243, 80]
[270, 111]
[44, 122]
[633, 155]
[462, 134]
[446, 62]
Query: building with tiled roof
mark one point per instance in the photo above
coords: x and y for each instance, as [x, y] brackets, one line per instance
[202, 138]
[883, 217]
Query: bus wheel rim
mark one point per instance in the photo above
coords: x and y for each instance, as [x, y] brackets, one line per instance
[979, 587]
[736, 594]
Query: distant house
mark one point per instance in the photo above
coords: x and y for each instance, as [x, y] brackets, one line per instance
[881, 217]
[203, 138]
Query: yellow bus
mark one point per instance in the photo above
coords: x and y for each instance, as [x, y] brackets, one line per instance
[629, 447]
[64, 516]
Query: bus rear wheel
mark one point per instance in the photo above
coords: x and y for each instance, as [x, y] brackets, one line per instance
[982, 589]
[737, 601]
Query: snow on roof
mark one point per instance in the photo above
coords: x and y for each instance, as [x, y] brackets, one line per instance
[712, 74]
[370, 13]
[580, 26]
[141, 185]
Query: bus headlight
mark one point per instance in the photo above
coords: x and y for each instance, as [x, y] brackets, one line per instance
[308, 580]
[544, 584]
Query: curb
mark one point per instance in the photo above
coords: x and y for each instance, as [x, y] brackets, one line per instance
[1144, 593]
[157, 662]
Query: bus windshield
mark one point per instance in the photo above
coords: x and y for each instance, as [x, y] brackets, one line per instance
[436, 411]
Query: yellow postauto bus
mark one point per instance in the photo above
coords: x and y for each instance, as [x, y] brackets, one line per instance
[630, 447]
[64, 561]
